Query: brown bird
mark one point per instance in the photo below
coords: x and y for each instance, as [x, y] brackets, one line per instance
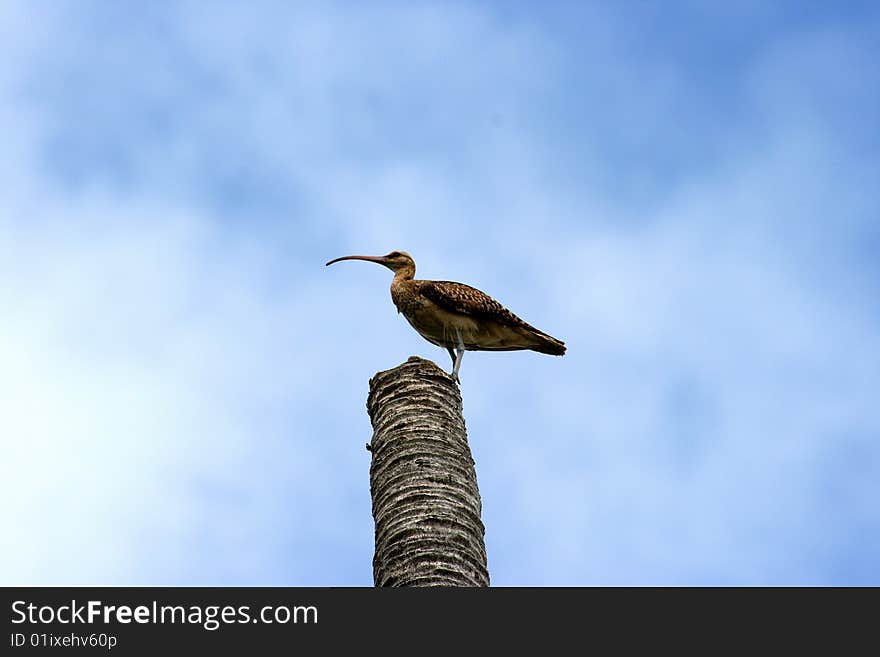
[456, 316]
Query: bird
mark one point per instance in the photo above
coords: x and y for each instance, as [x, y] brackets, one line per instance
[456, 316]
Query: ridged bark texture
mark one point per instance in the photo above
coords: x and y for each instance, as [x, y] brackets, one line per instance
[426, 503]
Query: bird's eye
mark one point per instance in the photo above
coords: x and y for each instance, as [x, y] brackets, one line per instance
[394, 254]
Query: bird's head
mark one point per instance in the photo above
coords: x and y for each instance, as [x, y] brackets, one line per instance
[396, 261]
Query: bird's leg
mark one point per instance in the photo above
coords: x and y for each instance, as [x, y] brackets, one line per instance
[456, 360]
[458, 356]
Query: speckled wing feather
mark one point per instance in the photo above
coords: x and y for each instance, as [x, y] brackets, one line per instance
[467, 300]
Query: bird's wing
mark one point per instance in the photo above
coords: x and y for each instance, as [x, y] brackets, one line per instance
[467, 300]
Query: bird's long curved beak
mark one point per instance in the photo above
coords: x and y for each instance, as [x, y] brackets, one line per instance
[377, 259]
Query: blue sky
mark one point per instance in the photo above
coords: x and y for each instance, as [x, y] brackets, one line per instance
[684, 192]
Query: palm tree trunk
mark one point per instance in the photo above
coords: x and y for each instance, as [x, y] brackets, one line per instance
[426, 503]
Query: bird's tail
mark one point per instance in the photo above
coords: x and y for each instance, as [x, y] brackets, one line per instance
[546, 344]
